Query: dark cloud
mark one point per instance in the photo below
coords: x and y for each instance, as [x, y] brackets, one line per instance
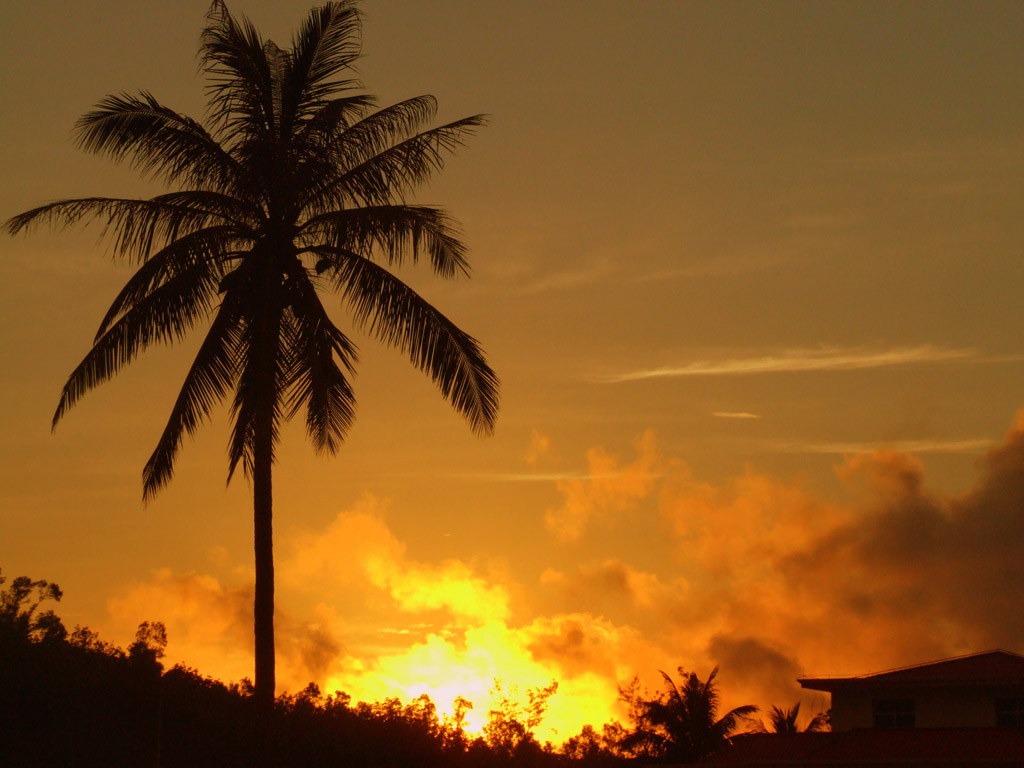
[751, 664]
[578, 644]
[944, 572]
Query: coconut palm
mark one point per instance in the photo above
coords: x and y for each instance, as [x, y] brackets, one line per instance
[682, 724]
[785, 721]
[294, 186]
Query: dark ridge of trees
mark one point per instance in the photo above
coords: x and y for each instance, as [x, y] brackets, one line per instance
[71, 699]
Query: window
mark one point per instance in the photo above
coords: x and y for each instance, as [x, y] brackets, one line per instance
[893, 713]
[1010, 713]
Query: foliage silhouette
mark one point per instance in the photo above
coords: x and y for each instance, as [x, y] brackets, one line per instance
[785, 721]
[510, 723]
[76, 700]
[296, 184]
[18, 606]
[73, 699]
[680, 724]
[589, 747]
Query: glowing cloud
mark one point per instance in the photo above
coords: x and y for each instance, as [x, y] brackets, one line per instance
[801, 360]
[357, 549]
[762, 577]
[209, 626]
[608, 488]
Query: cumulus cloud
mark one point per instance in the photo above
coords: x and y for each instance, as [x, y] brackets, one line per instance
[612, 587]
[763, 577]
[772, 580]
[358, 549]
[896, 575]
[944, 569]
[608, 488]
[210, 627]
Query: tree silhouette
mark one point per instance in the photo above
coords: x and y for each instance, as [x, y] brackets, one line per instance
[681, 724]
[20, 617]
[785, 721]
[510, 722]
[296, 184]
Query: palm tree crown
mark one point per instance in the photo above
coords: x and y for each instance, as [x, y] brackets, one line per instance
[785, 721]
[296, 184]
[682, 724]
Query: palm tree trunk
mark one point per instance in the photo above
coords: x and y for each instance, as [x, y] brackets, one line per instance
[265, 355]
[263, 602]
[263, 605]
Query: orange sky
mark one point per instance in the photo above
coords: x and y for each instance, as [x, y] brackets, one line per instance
[750, 274]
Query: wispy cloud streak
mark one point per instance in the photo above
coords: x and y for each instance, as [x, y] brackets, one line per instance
[540, 477]
[978, 445]
[800, 360]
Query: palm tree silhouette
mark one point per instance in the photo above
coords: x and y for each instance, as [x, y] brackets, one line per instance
[296, 184]
[784, 721]
[682, 724]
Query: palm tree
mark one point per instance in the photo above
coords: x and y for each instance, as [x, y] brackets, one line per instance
[682, 724]
[784, 721]
[295, 185]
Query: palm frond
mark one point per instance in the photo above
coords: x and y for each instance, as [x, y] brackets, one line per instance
[820, 722]
[262, 377]
[331, 143]
[313, 377]
[247, 408]
[240, 88]
[137, 225]
[394, 313]
[244, 214]
[211, 376]
[175, 259]
[159, 140]
[400, 231]
[165, 314]
[382, 129]
[334, 117]
[389, 175]
[327, 43]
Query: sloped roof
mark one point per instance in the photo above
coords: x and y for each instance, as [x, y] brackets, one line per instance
[891, 748]
[996, 667]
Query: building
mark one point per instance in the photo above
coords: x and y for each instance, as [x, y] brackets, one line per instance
[983, 690]
[966, 711]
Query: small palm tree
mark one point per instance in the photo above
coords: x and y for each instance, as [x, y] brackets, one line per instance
[296, 185]
[682, 724]
[785, 721]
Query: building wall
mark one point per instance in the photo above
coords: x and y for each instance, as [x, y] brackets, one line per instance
[956, 708]
[851, 709]
[934, 707]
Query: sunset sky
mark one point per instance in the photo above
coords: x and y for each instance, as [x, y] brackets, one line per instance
[750, 272]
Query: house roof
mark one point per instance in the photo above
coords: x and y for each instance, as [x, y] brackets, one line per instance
[890, 748]
[996, 667]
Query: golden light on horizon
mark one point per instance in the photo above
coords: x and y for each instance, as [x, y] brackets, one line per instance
[752, 285]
